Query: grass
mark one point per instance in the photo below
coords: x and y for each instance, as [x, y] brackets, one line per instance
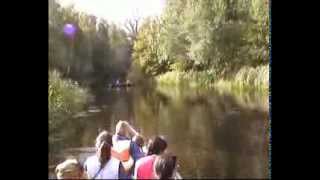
[192, 78]
[247, 78]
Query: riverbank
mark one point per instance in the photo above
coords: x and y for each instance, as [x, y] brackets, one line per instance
[246, 79]
[66, 98]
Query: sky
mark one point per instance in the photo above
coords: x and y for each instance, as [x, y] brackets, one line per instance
[117, 10]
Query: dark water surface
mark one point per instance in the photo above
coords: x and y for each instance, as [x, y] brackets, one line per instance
[214, 134]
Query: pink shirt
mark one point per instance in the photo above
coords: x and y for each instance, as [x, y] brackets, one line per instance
[144, 168]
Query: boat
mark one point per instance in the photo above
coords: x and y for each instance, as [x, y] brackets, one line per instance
[118, 85]
[122, 85]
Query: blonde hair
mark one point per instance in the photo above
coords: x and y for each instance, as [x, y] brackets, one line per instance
[120, 127]
[70, 168]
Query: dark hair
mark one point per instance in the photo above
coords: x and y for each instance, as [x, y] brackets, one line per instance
[104, 153]
[157, 145]
[104, 136]
[165, 165]
[138, 140]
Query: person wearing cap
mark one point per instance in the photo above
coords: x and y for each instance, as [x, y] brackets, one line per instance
[102, 165]
[70, 169]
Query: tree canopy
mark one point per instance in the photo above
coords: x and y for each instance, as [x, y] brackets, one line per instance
[220, 35]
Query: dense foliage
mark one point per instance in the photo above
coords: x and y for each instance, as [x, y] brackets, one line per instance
[219, 37]
[66, 99]
[98, 52]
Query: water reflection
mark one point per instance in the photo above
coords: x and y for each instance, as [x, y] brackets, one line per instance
[214, 134]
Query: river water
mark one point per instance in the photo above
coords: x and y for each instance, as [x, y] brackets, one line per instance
[214, 134]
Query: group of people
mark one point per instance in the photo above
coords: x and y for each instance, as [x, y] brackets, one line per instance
[123, 156]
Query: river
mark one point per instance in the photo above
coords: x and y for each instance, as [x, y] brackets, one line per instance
[214, 134]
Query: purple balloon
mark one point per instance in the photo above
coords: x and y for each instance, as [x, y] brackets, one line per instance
[69, 30]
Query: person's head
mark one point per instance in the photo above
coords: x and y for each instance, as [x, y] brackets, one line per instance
[165, 166]
[121, 128]
[157, 145]
[138, 139]
[103, 146]
[69, 169]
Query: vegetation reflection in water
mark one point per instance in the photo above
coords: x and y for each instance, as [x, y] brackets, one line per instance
[215, 134]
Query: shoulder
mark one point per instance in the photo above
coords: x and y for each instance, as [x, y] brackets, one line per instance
[139, 161]
[91, 164]
[91, 159]
[143, 160]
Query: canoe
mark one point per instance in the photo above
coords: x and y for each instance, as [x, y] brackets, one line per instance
[120, 85]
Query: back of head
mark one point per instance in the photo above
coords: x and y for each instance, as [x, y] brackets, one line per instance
[69, 169]
[103, 147]
[138, 139]
[157, 145]
[120, 128]
[164, 166]
[103, 136]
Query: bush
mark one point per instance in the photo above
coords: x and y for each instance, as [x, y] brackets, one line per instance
[65, 99]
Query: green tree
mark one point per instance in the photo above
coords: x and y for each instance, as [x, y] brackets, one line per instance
[147, 53]
[99, 52]
[219, 36]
